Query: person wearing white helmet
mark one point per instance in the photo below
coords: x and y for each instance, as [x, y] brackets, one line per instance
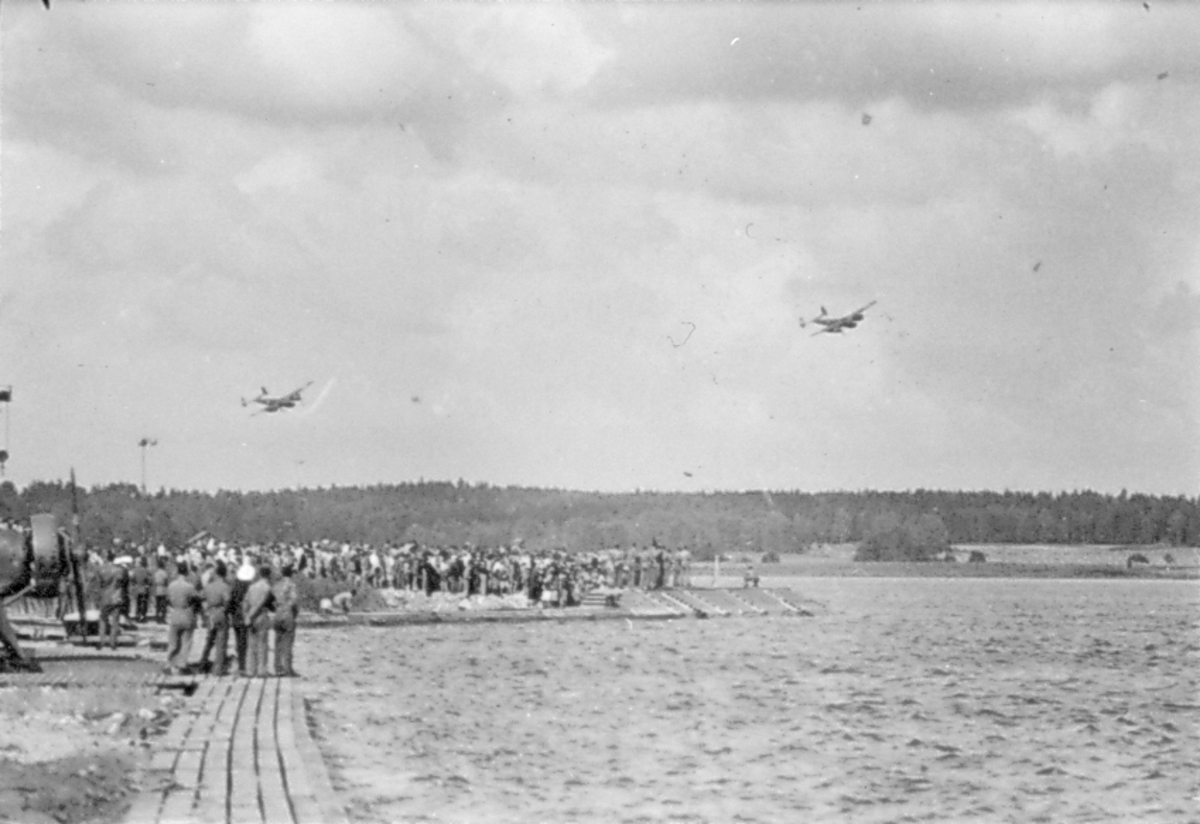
[238, 587]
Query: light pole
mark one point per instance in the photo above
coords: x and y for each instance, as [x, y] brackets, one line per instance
[5, 398]
[143, 443]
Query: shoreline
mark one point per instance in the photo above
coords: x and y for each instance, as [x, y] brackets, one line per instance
[962, 569]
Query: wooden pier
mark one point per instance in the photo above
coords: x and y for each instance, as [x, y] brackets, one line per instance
[240, 753]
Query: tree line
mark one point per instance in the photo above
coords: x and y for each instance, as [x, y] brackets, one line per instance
[446, 513]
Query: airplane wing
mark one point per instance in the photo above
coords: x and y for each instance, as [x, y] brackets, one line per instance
[296, 395]
[865, 308]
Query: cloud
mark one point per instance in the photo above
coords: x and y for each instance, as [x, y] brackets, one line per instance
[936, 56]
[513, 213]
[533, 51]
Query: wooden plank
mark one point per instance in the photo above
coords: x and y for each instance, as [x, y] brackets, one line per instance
[187, 770]
[243, 790]
[178, 804]
[204, 707]
[305, 809]
[331, 810]
[213, 796]
[276, 809]
[145, 808]
[164, 760]
[212, 786]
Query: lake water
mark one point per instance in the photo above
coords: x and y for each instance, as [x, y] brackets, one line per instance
[905, 700]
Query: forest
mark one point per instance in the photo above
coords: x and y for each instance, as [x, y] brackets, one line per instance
[455, 513]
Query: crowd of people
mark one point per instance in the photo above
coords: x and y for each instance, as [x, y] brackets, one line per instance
[249, 602]
[250, 592]
[553, 576]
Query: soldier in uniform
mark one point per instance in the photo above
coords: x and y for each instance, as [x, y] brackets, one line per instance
[160, 581]
[183, 604]
[287, 608]
[257, 608]
[114, 598]
[140, 582]
[216, 608]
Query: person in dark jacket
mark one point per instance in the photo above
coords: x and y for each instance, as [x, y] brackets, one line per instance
[140, 584]
[160, 580]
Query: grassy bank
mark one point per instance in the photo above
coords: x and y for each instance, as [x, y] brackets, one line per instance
[1002, 561]
[943, 570]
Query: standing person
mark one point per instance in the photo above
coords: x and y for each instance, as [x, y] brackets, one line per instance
[140, 583]
[216, 608]
[237, 618]
[160, 579]
[183, 603]
[114, 598]
[287, 608]
[257, 608]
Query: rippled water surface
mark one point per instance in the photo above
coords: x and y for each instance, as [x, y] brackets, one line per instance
[906, 700]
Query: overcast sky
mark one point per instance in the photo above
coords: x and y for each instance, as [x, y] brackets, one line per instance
[570, 245]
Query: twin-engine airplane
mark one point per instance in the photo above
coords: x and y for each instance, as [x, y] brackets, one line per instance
[835, 326]
[270, 404]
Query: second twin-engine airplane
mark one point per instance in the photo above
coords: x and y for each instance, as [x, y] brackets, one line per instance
[835, 326]
[270, 404]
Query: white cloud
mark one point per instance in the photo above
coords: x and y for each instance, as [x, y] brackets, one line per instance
[286, 169]
[329, 56]
[532, 50]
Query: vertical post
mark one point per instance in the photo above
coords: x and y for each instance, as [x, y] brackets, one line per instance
[78, 556]
[5, 398]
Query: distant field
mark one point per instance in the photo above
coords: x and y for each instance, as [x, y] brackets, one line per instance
[1003, 560]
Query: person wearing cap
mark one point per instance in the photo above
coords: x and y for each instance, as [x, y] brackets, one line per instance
[114, 597]
[287, 608]
[257, 608]
[183, 604]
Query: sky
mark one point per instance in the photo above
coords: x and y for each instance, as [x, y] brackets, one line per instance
[570, 245]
